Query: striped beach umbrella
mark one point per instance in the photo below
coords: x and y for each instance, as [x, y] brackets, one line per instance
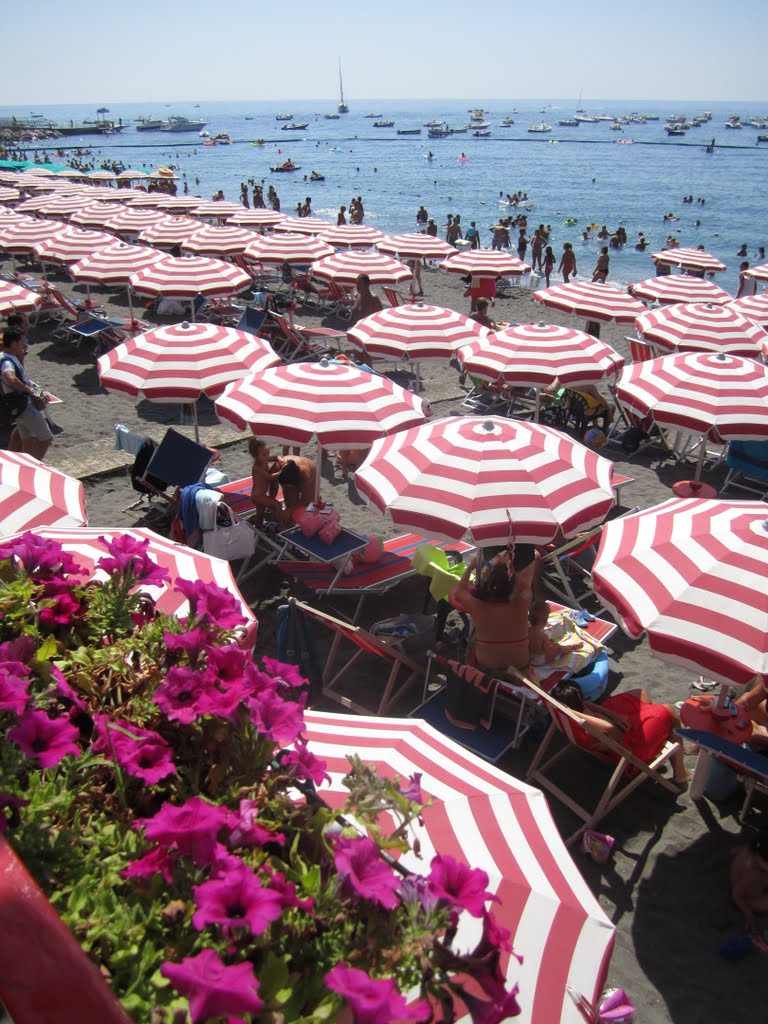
[115, 264]
[174, 204]
[759, 273]
[415, 245]
[16, 299]
[753, 307]
[690, 573]
[182, 563]
[169, 232]
[33, 495]
[71, 244]
[8, 194]
[302, 225]
[295, 250]
[33, 204]
[485, 263]
[689, 259]
[345, 267]
[147, 200]
[132, 221]
[594, 301]
[24, 236]
[679, 288]
[8, 217]
[351, 236]
[341, 406]
[184, 277]
[62, 206]
[256, 218]
[487, 480]
[215, 210]
[415, 332]
[485, 818]
[93, 215]
[101, 175]
[215, 240]
[132, 175]
[702, 327]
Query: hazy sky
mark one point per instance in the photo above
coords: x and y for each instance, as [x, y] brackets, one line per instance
[98, 51]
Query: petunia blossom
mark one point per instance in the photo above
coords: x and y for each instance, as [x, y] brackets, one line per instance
[13, 687]
[210, 604]
[236, 899]
[413, 791]
[192, 641]
[227, 663]
[64, 691]
[60, 608]
[221, 701]
[212, 988]
[191, 828]
[248, 831]
[180, 694]
[360, 863]
[287, 675]
[495, 1010]
[9, 810]
[276, 718]
[39, 557]
[462, 887]
[22, 649]
[155, 861]
[130, 556]
[48, 740]
[142, 753]
[373, 1000]
[306, 766]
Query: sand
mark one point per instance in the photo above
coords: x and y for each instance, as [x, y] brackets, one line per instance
[666, 885]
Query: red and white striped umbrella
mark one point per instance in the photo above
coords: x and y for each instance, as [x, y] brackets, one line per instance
[16, 299]
[292, 249]
[486, 819]
[691, 574]
[352, 236]
[415, 245]
[173, 204]
[132, 175]
[487, 480]
[132, 221]
[341, 406]
[485, 263]
[169, 231]
[115, 264]
[346, 267]
[416, 332]
[679, 288]
[218, 241]
[182, 362]
[181, 562]
[33, 204]
[533, 355]
[216, 211]
[753, 307]
[724, 398]
[702, 327]
[93, 215]
[147, 200]
[759, 273]
[62, 206]
[25, 236]
[71, 244]
[33, 494]
[302, 225]
[8, 195]
[184, 277]
[594, 301]
[257, 218]
[689, 259]
[101, 175]
[8, 217]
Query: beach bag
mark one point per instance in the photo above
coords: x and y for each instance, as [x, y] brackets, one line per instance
[11, 407]
[312, 523]
[230, 542]
[332, 528]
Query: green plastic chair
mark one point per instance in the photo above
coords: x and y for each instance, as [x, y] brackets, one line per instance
[434, 562]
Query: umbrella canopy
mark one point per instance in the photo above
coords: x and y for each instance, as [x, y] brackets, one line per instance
[8, 195]
[8, 217]
[295, 250]
[218, 241]
[759, 273]
[151, 200]
[169, 231]
[257, 218]
[340, 405]
[679, 288]
[689, 259]
[25, 236]
[216, 210]
[724, 398]
[486, 819]
[487, 262]
[181, 562]
[415, 245]
[33, 205]
[181, 362]
[486, 480]
[302, 225]
[691, 574]
[33, 494]
[702, 327]
[184, 277]
[346, 267]
[753, 307]
[351, 236]
[16, 299]
[114, 264]
[416, 332]
[594, 301]
[71, 244]
[93, 215]
[101, 175]
[133, 220]
[173, 203]
[130, 175]
[62, 206]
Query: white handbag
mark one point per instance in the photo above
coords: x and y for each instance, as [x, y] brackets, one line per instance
[230, 542]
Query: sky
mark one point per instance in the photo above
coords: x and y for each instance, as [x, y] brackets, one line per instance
[97, 51]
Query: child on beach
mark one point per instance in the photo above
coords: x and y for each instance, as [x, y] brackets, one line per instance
[567, 262]
[549, 263]
[266, 476]
[749, 879]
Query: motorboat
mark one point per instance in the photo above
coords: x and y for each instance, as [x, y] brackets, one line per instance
[177, 123]
[283, 168]
[569, 122]
[283, 117]
[222, 139]
[150, 124]
[585, 119]
[316, 176]
[617, 126]
[331, 117]
[506, 122]
[482, 125]
[383, 124]
[540, 127]
[478, 114]
[438, 133]
[372, 115]
[296, 127]
[458, 131]
[434, 124]
[675, 129]
[204, 134]
[482, 133]
[734, 122]
[409, 131]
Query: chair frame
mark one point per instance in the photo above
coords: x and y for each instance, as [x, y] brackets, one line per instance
[753, 768]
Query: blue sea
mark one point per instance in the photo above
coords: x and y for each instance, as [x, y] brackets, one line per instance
[577, 174]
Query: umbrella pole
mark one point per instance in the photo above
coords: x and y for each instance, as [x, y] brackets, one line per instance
[318, 474]
[195, 421]
[130, 307]
[700, 460]
[192, 309]
[537, 405]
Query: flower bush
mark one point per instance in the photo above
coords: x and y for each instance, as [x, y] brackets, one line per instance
[158, 784]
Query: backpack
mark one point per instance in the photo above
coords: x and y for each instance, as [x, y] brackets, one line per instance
[12, 404]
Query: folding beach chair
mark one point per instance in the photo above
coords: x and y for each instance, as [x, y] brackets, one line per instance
[178, 460]
[302, 343]
[641, 350]
[363, 646]
[252, 321]
[571, 727]
[394, 298]
[751, 767]
[102, 333]
[747, 468]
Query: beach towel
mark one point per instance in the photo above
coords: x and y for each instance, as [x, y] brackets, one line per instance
[207, 503]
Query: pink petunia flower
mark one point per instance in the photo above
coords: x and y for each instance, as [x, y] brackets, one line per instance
[129, 556]
[286, 890]
[210, 604]
[142, 753]
[156, 861]
[495, 1010]
[227, 663]
[21, 649]
[39, 557]
[192, 828]
[306, 766]
[462, 887]
[213, 989]
[180, 694]
[13, 687]
[64, 691]
[373, 1000]
[359, 862]
[193, 642]
[222, 701]
[277, 719]
[248, 831]
[236, 899]
[9, 811]
[283, 674]
[61, 606]
[48, 740]
[413, 791]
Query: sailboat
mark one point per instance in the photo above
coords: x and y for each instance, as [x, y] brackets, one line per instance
[580, 109]
[342, 107]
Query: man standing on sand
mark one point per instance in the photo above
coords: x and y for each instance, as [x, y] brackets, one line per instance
[600, 275]
[365, 302]
[31, 433]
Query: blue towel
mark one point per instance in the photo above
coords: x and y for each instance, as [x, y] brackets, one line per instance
[188, 513]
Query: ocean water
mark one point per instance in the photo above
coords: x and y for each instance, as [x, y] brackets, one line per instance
[577, 173]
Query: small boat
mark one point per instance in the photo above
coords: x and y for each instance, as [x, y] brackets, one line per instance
[478, 114]
[506, 122]
[762, 138]
[568, 122]
[296, 127]
[409, 131]
[283, 117]
[341, 107]
[617, 127]
[331, 117]
[259, 142]
[150, 124]
[734, 122]
[540, 127]
[383, 124]
[316, 176]
[482, 133]
[287, 165]
[372, 115]
[438, 133]
[675, 129]
[480, 124]
[184, 124]
[222, 139]
[458, 131]
[248, 118]
[434, 124]
[624, 142]
[585, 119]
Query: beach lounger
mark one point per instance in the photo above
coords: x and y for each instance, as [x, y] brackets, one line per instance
[102, 333]
[252, 321]
[641, 350]
[751, 767]
[747, 468]
[295, 342]
[628, 773]
[358, 644]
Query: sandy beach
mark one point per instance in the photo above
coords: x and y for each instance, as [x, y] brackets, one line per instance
[666, 884]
